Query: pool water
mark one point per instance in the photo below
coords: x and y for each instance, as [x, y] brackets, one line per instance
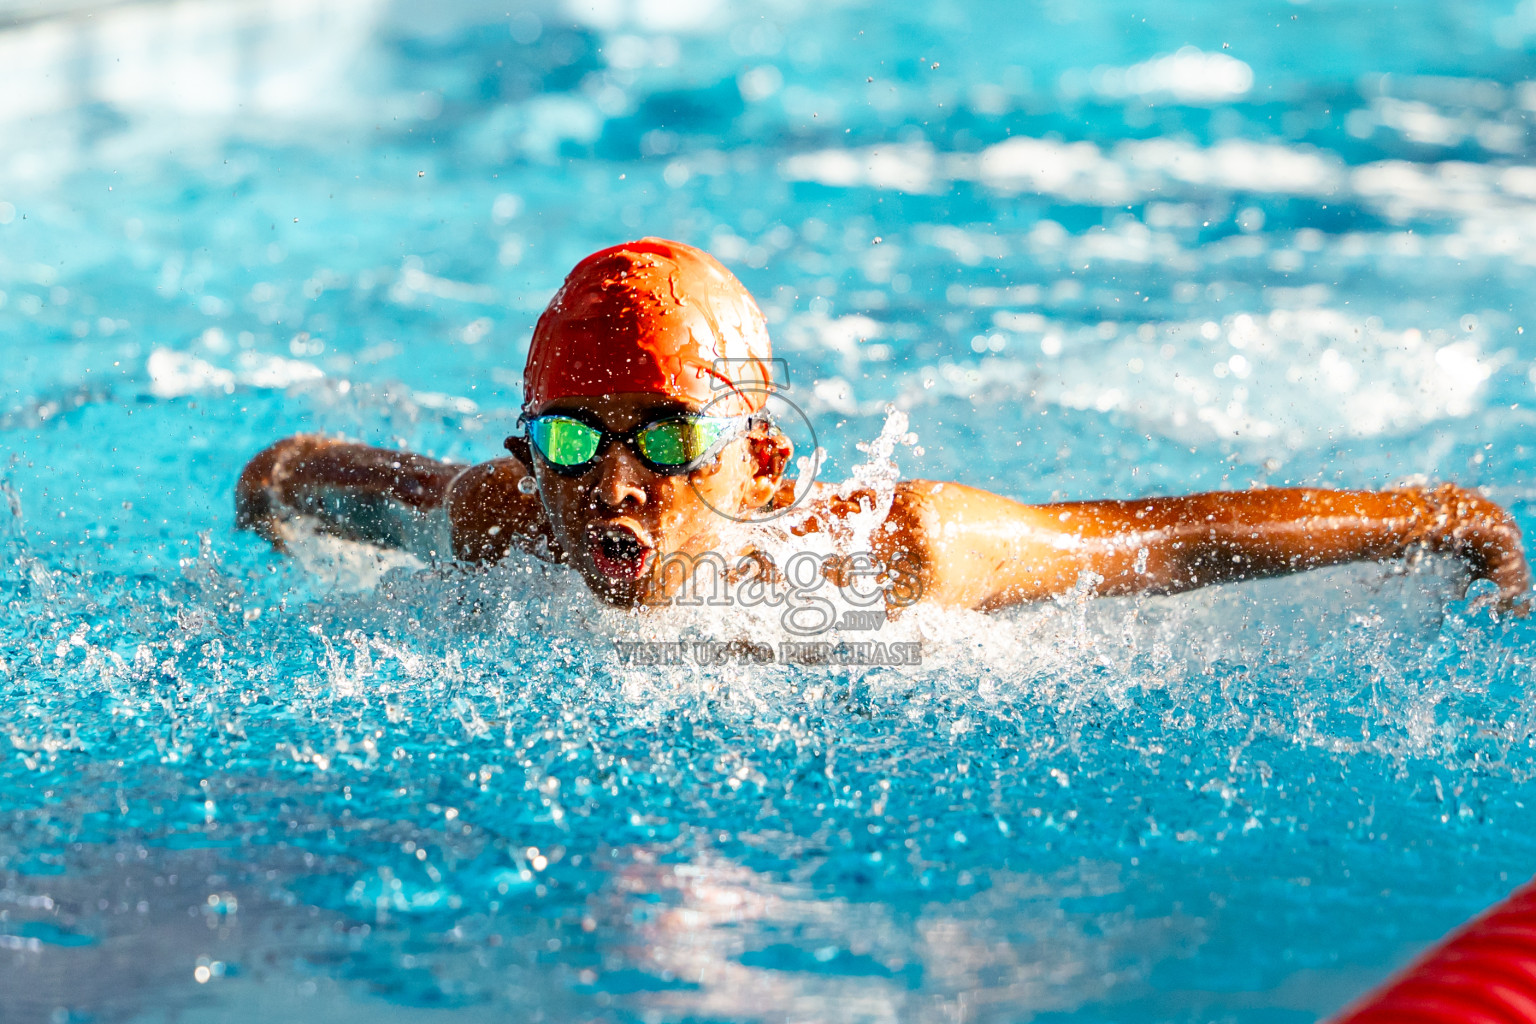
[1085, 250]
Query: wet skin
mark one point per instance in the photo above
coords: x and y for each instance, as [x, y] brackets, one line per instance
[963, 546]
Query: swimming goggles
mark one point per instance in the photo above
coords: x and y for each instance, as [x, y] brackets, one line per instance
[671, 444]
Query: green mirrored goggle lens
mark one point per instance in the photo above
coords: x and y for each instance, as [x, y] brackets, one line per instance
[564, 442]
[679, 442]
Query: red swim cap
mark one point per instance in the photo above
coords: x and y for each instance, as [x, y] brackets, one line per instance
[654, 316]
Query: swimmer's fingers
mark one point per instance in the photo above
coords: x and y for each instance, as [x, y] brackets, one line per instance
[266, 491]
[1506, 569]
[1501, 561]
[1486, 537]
[270, 529]
[258, 498]
[1514, 596]
[1500, 602]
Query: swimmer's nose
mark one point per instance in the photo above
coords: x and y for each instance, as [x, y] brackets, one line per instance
[621, 478]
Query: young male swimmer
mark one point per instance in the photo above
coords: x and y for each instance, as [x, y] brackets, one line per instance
[644, 412]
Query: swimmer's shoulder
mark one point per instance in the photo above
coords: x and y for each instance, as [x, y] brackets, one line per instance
[488, 514]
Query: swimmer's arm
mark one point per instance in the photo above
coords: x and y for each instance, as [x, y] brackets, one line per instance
[980, 550]
[389, 498]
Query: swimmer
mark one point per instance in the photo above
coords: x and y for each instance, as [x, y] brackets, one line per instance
[644, 418]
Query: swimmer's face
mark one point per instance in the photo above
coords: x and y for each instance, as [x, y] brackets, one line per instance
[619, 519]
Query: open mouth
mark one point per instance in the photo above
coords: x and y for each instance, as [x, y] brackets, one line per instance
[619, 551]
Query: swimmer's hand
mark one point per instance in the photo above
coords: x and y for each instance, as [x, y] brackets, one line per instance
[347, 490]
[1485, 537]
[262, 502]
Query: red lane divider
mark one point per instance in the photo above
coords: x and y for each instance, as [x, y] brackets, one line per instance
[1483, 973]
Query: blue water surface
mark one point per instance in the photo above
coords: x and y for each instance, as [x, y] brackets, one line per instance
[1086, 249]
